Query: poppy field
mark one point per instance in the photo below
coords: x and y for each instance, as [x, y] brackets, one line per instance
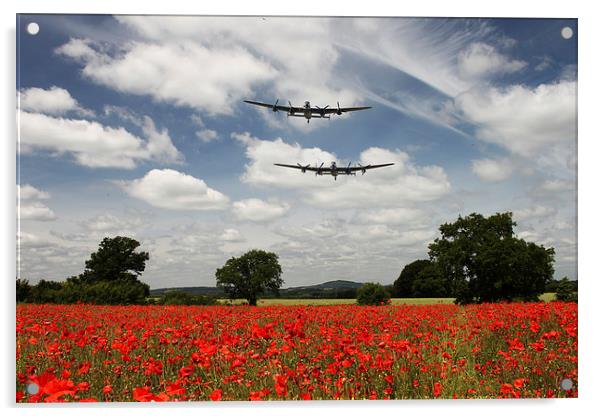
[79, 353]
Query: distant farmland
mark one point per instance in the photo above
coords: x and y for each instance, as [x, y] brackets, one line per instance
[546, 297]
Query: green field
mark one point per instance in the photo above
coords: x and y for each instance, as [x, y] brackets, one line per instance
[546, 297]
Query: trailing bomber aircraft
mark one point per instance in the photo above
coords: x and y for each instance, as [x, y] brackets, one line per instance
[307, 110]
[334, 170]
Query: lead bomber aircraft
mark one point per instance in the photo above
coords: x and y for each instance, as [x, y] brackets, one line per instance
[307, 110]
[333, 169]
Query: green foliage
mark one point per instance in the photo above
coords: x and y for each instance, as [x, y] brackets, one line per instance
[116, 259]
[566, 290]
[45, 291]
[552, 286]
[403, 286]
[483, 261]
[178, 297]
[122, 292]
[430, 283]
[110, 278]
[23, 290]
[373, 294]
[250, 275]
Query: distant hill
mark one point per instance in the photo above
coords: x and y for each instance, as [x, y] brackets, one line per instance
[333, 289]
[193, 290]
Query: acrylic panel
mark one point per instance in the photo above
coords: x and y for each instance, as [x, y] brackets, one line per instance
[295, 208]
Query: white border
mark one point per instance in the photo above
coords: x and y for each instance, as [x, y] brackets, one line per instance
[589, 32]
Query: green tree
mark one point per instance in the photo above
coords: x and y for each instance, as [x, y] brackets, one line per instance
[46, 291]
[23, 290]
[373, 294]
[179, 297]
[484, 262]
[116, 259]
[403, 286]
[430, 283]
[250, 275]
[565, 291]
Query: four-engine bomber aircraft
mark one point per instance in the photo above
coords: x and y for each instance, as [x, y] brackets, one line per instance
[307, 110]
[333, 169]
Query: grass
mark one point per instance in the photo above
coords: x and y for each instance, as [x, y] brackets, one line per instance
[546, 297]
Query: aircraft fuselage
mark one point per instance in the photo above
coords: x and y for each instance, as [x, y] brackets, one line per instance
[332, 170]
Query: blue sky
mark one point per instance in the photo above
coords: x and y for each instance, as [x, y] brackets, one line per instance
[134, 125]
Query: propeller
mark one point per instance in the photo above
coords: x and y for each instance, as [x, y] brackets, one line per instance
[349, 169]
[319, 171]
[321, 109]
[339, 112]
[274, 109]
[363, 167]
[303, 168]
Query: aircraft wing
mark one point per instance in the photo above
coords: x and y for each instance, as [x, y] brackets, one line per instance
[272, 106]
[358, 168]
[301, 167]
[343, 110]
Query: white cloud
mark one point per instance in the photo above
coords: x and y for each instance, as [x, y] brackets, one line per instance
[257, 210]
[481, 60]
[299, 59]
[29, 240]
[231, 235]
[36, 211]
[534, 212]
[205, 134]
[392, 237]
[181, 72]
[54, 101]
[170, 189]
[490, 170]
[393, 216]
[104, 223]
[28, 192]
[557, 185]
[403, 182]
[93, 144]
[30, 207]
[159, 146]
[526, 121]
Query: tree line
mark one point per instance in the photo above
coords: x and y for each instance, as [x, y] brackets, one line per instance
[476, 259]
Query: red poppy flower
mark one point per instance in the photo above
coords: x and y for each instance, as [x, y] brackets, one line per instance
[216, 395]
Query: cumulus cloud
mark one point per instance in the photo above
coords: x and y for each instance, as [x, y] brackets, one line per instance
[231, 235]
[54, 101]
[28, 192]
[403, 182]
[556, 185]
[257, 210]
[104, 223]
[93, 144]
[534, 212]
[170, 189]
[29, 240]
[524, 120]
[206, 135]
[30, 205]
[181, 72]
[491, 170]
[392, 216]
[481, 60]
